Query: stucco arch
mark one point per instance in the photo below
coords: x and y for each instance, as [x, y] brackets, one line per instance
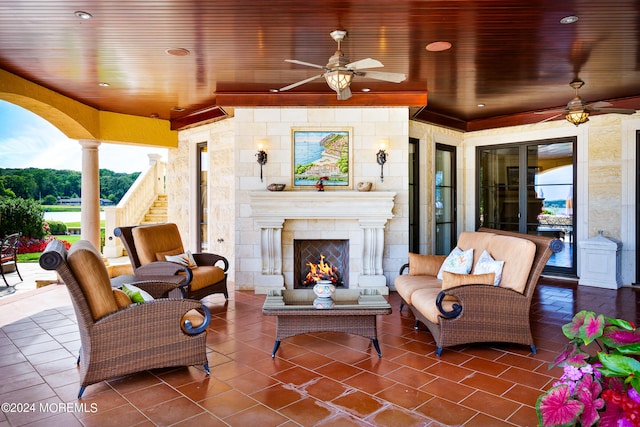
[82, 122]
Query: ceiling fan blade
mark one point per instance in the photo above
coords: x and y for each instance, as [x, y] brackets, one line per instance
[551, 118]
[599, 104]
[381, 75]
[344, 94]
[301, 82]
[364, 64]
[559, 110]
[614, 110]
[308, 64]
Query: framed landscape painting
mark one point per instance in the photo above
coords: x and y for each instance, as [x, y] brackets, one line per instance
[322, 154]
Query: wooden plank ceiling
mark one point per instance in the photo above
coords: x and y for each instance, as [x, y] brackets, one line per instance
[515, 57]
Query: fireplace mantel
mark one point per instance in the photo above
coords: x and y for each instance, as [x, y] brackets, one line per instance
[322, 204]
[371, 210]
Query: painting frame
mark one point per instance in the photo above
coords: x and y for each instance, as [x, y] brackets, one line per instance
[322, 152]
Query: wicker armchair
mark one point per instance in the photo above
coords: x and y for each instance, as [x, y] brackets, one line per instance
[122, 338]
[9, 256]
[147, 247]
[476, 313]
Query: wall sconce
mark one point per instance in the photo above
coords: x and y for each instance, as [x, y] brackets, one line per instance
[262, 158]
[381, 158]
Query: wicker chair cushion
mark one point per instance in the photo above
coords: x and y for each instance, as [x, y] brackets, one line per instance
[406, 285]
[424, 300]
[205, 275]
[517, 255]
[155, 242]
[122, 299]
[420, 265]
[478, 241]
[451, 280]
[89, 269]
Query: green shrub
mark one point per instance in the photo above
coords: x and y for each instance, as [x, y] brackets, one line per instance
[49, 199]
[19, 215]
[57, 227]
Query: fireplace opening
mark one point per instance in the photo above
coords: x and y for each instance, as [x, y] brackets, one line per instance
[329, 252]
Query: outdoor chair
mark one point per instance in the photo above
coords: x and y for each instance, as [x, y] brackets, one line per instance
[150, 246]
[119, 337]
[9, 256]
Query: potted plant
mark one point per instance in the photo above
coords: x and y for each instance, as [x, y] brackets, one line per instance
[601, 380]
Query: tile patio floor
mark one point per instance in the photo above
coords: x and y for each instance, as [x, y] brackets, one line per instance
[321, 379]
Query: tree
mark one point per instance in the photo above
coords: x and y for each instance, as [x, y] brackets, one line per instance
[19, 215]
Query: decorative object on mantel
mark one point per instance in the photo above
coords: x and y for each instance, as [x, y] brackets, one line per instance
[262, 158]
[320, 183]
[276, 187]
[381, 158]
[364, 186]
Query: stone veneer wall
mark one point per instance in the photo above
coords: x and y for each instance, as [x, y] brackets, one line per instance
[605, 174]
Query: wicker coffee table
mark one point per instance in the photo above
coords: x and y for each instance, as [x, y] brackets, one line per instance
[354, 311]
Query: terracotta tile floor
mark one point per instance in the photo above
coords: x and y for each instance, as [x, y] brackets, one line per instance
[316, 379]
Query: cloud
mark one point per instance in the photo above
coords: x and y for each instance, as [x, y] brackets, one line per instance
[27, 140]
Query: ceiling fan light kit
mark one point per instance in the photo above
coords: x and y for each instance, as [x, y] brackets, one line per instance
[339, 72]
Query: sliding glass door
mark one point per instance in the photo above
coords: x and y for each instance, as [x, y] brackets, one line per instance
[529, 188]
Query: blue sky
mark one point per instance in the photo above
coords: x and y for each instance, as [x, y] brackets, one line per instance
[27, 140]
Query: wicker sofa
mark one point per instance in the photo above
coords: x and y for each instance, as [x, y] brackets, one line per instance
[119, 337]
[468, 308]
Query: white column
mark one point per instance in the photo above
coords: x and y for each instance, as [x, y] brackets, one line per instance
[90, 188]
[271, 254]
[372, 250]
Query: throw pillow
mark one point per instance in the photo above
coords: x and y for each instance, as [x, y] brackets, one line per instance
[185, 259]
[424, 265]
[486, 264]
[451, 280]
[136, 294]
[122, 299]
[458, 261]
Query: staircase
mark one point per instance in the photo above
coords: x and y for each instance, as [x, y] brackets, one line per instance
[157, 212]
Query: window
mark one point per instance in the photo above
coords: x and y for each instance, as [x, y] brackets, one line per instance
[202, 163]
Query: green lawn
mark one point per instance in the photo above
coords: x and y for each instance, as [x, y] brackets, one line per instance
[33, 257]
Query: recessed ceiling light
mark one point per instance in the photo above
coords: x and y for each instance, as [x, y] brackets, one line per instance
[569, 19]
[104, 84]
[438, 46]
[178, 51]
[154, 115]
[480, 105]
[366, 89]
[274, 90]
[177, 108]
[83, 15]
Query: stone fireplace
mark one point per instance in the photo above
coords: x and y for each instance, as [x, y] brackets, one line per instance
[359, 218]
[333, 251]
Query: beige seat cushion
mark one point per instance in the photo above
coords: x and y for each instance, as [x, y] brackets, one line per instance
[518, 255]
[479, 241]
[206, 275]
[154, 242]
[424, 300]
[421, 265]
[406, 285]
[87, 266]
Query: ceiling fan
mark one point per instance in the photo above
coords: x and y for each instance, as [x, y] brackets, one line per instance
[339, 71]
[577, 111]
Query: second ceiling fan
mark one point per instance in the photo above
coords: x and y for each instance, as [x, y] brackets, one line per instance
[339, 72]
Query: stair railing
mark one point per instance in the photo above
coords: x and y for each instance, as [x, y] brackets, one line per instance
[134, 204]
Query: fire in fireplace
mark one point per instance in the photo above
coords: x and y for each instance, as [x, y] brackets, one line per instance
[332, 255]
[322, 271]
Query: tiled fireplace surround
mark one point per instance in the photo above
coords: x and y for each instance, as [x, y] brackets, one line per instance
[359, 217]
